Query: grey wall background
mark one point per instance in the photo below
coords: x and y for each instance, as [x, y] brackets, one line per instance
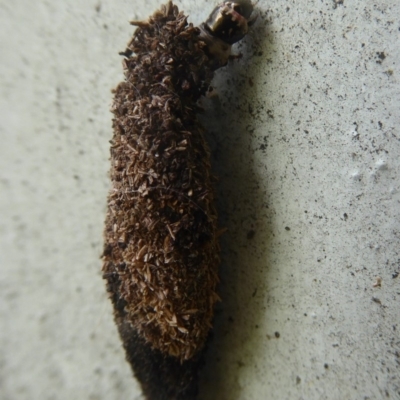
[305, 137]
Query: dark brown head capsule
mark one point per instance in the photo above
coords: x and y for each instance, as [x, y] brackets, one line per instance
[229, 21]
[227, 24]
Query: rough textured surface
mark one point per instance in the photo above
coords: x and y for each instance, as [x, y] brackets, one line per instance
[304, 135]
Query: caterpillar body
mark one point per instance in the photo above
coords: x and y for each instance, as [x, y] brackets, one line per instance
[161, 250]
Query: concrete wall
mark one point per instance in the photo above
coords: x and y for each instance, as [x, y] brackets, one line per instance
[305, 137]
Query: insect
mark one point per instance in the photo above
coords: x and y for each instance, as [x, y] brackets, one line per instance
[161, 250]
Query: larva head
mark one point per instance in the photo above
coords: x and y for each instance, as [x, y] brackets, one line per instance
[230, 20]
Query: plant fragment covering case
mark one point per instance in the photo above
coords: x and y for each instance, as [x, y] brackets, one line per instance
[161, 252]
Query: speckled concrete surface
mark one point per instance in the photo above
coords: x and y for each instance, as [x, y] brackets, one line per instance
[305, 137]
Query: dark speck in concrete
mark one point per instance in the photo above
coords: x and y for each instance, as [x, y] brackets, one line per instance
[376, 300]
[381, 56]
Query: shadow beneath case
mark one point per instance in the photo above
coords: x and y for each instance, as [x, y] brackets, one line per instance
[231, 119]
